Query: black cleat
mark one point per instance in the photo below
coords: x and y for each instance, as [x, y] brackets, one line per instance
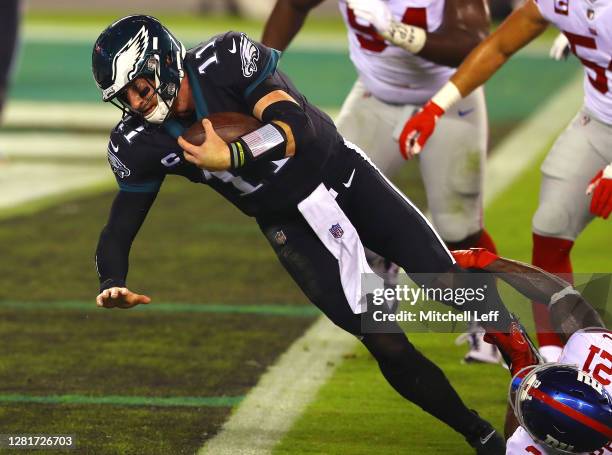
[486, 440]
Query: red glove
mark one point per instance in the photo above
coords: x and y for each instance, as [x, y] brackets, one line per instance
[474, 258]
[601, 189]
[418, 129]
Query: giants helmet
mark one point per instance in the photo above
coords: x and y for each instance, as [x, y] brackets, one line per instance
[563, 407]
[138, 46]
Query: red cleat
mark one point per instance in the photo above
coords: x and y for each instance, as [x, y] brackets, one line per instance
[516, 347]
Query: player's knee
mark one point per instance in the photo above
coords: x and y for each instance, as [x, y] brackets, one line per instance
[553, 220]
[466, 175]
[390, 349]
[455, 227]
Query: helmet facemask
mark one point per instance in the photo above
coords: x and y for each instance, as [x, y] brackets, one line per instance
[150, 52]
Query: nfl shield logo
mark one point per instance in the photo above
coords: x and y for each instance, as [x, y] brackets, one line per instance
[336, 231]
[280, 238]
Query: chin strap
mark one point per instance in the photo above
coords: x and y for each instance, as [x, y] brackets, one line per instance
[159, 114]
[161, 111]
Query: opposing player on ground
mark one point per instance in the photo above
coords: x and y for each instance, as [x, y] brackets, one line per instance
[567, 409]
[579, 161]
[290, 174]
[404, 51]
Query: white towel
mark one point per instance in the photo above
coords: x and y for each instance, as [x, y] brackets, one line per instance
[340, 237]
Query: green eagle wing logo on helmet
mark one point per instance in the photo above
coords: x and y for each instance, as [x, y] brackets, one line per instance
[127, 61]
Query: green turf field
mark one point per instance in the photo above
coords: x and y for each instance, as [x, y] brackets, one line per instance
[389, 423]
[162, 379]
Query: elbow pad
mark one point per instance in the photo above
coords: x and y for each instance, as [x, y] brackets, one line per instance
[293, 115]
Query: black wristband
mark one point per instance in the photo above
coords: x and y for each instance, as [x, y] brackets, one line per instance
[266, 143]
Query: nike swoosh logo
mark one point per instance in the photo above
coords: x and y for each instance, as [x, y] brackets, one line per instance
[487, 437]
[466, 112]
[233, 49]
[350, 180]
[114, 147]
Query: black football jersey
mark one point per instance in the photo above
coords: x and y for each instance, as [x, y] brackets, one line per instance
[226, 74]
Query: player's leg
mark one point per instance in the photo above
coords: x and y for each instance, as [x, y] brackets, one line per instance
[389, 224]
[563, 210]
[368, 122]
[411, 374]
[452, 166]
[9, 19]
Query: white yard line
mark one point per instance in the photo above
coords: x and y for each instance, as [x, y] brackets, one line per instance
[44, 145]
[25, 182]
[61, 115]
[285, 390]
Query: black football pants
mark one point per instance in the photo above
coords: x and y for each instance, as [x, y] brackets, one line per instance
[391, 226]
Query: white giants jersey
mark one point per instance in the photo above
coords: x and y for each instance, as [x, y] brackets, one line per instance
[587, 24]
[390, 73]
[591, 351]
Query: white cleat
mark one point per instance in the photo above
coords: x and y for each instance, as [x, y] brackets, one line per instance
[480, 352]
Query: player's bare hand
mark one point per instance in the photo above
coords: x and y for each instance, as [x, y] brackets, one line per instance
[601, 190]
[117, 297]
[212, 155]
[418, 129]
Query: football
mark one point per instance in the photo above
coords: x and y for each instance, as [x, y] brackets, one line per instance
[228, 125]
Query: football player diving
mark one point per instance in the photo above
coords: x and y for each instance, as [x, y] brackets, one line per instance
[566, 406]
[315, 196]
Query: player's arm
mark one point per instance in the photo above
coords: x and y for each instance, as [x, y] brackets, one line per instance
[464, 25]
[285, 21]
[569, 311]
[287, 128]
[520, 28]
[127, 214]
[524, 25]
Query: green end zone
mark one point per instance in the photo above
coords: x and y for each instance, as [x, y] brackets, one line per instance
[160, 378]
[64, 369]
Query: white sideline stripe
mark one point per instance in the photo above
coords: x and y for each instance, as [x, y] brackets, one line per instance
[190, 36]
[22, 145]
[61, 115]
[522, 147]
[23, 182]
[283, 392]
[84, 116]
